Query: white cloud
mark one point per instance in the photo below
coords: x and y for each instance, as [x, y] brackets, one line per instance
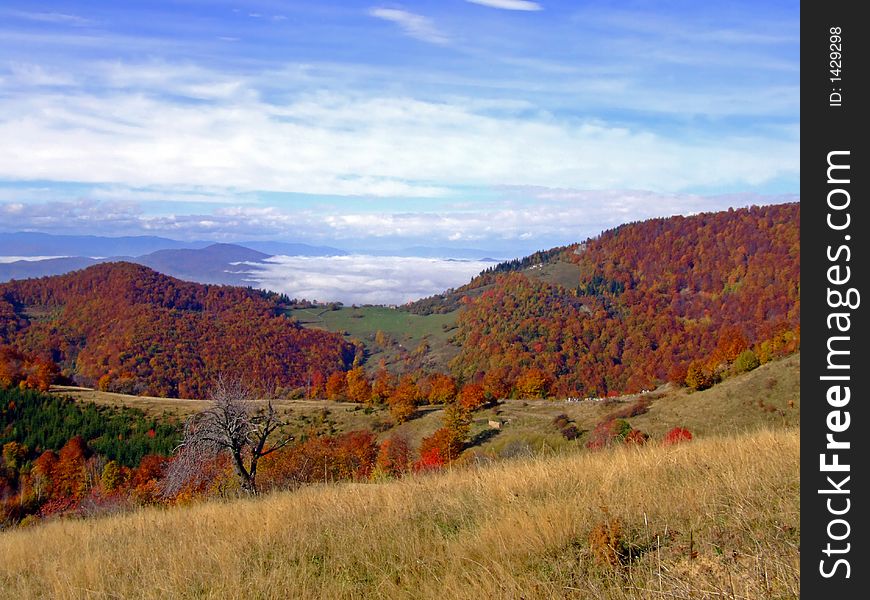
[413, 25]
[11, 259]
[360, 279]
[350, 144]
[509, 4]
[175, 194]
[27, 75]
[543, 216]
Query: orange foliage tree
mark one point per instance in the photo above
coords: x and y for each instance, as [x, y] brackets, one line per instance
[358, 388]
[442, 388]
[404, 398]
[336, 386]
[472, 396]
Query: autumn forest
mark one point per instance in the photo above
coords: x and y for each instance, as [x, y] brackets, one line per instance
[685, 301]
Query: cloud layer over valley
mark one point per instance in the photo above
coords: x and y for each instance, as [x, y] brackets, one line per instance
[361, 279]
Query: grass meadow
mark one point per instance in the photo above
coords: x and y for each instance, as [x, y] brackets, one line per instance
[717, 517]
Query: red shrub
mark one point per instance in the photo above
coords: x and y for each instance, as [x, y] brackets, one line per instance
[676, 436]
[437, 450]
[608, 432]
[636, 437]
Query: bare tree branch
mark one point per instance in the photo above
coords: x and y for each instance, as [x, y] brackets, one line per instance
[232, 424]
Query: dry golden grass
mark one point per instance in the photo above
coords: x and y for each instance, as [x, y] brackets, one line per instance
[715, 518]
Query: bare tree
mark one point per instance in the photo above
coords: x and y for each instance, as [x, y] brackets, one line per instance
[234, 423]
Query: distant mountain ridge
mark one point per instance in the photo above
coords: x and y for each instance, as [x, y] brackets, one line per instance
[213, 264]
[27, 269]
[198, 261]
[26, 243]
[29, 243]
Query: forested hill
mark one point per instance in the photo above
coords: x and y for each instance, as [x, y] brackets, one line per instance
[125, 327]
[644, 302]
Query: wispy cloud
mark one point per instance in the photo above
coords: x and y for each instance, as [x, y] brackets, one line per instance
[509, 4]
[51, 17]
[413, 25]
[660, 26]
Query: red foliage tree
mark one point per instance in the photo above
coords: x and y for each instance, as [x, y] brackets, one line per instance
[436, 450]
[69, 477]
[383, 385]
[394, 456]
[42, 473]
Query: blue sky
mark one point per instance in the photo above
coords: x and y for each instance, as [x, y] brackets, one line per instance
[368, 125]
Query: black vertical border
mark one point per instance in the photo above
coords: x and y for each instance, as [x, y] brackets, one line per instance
[826, 128]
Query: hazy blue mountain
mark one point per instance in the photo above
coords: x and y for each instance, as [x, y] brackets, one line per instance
[45, 244]
[212, 264]
[26, 269]
[199, 261]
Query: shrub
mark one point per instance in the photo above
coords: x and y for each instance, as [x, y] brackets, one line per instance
[747, 361]
[561, 421]
[570, 432]
[698, 377]
[677, 435]
[606, 543]
[607, 432]
[636, 437]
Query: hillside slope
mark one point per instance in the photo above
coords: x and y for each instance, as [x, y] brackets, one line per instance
[765, 398]
[710, 518]
[650, 298]
[127, 328]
